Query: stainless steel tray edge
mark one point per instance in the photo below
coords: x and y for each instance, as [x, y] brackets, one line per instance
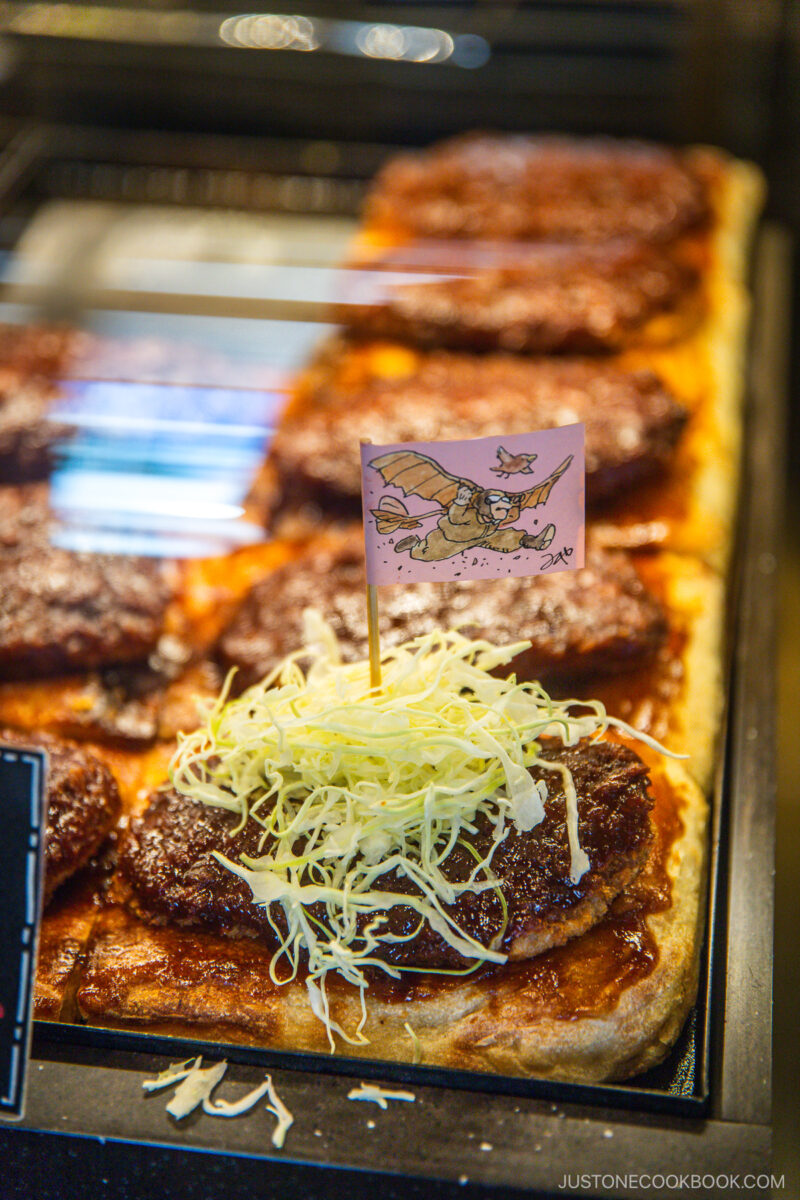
[745, 1074]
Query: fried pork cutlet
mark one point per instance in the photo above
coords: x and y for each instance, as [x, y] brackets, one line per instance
[36, 352]
[83, 804]
[168, 872]
[61, 610]
[32, 359]
[600, 618]
[29, 437]
[521, 187]
[632, 422]
[531, 299]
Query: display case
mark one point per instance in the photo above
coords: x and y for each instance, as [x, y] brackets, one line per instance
[121, 237]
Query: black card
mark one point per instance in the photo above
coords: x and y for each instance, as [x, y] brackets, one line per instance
[22, 780]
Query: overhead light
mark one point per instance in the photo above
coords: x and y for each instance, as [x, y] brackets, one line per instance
[404, 43]
[269, 31]
[378, 40]
[246, 31]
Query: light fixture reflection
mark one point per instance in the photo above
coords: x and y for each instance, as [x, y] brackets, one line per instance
[269, 31]
[246, 31]
[391, 43]
[409, 43]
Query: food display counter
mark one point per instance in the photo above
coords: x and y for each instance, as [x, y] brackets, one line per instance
[201, 291]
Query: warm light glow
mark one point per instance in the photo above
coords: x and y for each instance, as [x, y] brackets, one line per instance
[269, 31]
[250, 31]
[408, 43]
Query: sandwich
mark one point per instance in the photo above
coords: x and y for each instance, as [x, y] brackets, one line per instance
[458, 870]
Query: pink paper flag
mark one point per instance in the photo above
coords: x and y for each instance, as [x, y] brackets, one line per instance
[484, 508]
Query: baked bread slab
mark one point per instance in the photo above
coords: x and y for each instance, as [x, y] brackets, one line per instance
[605, 1006]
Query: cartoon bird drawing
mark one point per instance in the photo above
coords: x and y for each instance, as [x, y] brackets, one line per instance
[513, 464]
[473, 516]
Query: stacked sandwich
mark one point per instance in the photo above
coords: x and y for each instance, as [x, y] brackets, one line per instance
[498, 285]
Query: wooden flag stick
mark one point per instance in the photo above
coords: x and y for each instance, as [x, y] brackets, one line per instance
[372, 625]
[374, 638]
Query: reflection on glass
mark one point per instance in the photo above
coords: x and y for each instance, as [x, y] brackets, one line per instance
[160, 469]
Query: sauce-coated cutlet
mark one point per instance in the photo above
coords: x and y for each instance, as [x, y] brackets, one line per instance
[168, 872]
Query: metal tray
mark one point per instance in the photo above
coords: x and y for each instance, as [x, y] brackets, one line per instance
[707, 1107]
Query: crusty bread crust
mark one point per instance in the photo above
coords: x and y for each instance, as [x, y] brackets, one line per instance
[693, 509]
[678, 699]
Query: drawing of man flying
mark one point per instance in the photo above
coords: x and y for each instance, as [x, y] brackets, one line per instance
[473, 517]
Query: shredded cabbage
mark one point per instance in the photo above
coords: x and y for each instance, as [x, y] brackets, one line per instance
[415, 1042]
[196, 1085]
[195, 1088]
[374, 1094]
[281, 1113]
[349, 784]
[173, 1074]
[235, 1108]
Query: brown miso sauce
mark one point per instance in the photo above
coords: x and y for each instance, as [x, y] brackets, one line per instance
[587, 976]
[645, 697]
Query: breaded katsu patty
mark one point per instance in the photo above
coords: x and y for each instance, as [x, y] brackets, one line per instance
[29, 437]
[632, 421]
[600, 618]
[36, 352]
[486, 185]
[531, 299]
[83, 804]
[32, 359]
[166, 863]
[61, 610]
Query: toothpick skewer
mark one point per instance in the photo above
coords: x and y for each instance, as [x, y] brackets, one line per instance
[372, 626]
[374, 638]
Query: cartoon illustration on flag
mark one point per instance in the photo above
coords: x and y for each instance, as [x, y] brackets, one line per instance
[476, 528]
